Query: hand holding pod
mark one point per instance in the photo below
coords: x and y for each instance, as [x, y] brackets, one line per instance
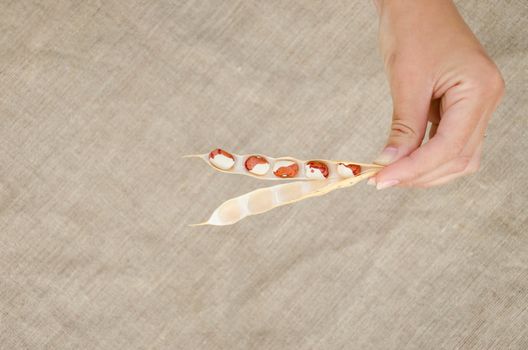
[324, 176]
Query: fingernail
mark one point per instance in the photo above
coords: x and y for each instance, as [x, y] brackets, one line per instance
[386, 184]
[387, 156]
[371, 182]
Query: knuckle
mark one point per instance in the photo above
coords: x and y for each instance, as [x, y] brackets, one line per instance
[407, 184]
[401, 66]
[491, 82]
[415, 184]
[400, 128]
[455, 148]
[461, 164]
[458, 146]
[473, 167]
[452, 146]
[396, 60]
[498, 85]
[419, 184]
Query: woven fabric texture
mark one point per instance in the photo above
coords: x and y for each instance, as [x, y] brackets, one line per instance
[100, 99]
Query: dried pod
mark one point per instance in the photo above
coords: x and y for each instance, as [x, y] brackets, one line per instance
[324, 176]
[316, 170]
[221, 159]
[265, 199]
[285, 168]
[348, 170]
[257, 165]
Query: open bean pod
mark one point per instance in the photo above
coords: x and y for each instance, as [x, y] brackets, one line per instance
[282, 168]
[265, 199]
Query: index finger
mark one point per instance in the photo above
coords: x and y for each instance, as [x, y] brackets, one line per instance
[454, 130]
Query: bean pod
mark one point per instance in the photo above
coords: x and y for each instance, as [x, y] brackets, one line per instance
[282, 168]
[326, 176]
[265, 199]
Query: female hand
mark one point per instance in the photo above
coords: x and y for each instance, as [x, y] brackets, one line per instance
[438, 72]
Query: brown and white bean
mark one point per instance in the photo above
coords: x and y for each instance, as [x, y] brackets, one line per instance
[221, 159]
[257, 165]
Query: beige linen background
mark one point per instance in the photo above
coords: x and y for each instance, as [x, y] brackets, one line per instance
[100, 99]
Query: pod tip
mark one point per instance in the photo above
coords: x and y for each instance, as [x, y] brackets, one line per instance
[191, 156]
[200, 224]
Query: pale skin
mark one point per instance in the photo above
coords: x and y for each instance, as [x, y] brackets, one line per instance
[439, 73]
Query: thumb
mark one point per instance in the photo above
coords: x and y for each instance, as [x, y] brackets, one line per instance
[411, 102]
